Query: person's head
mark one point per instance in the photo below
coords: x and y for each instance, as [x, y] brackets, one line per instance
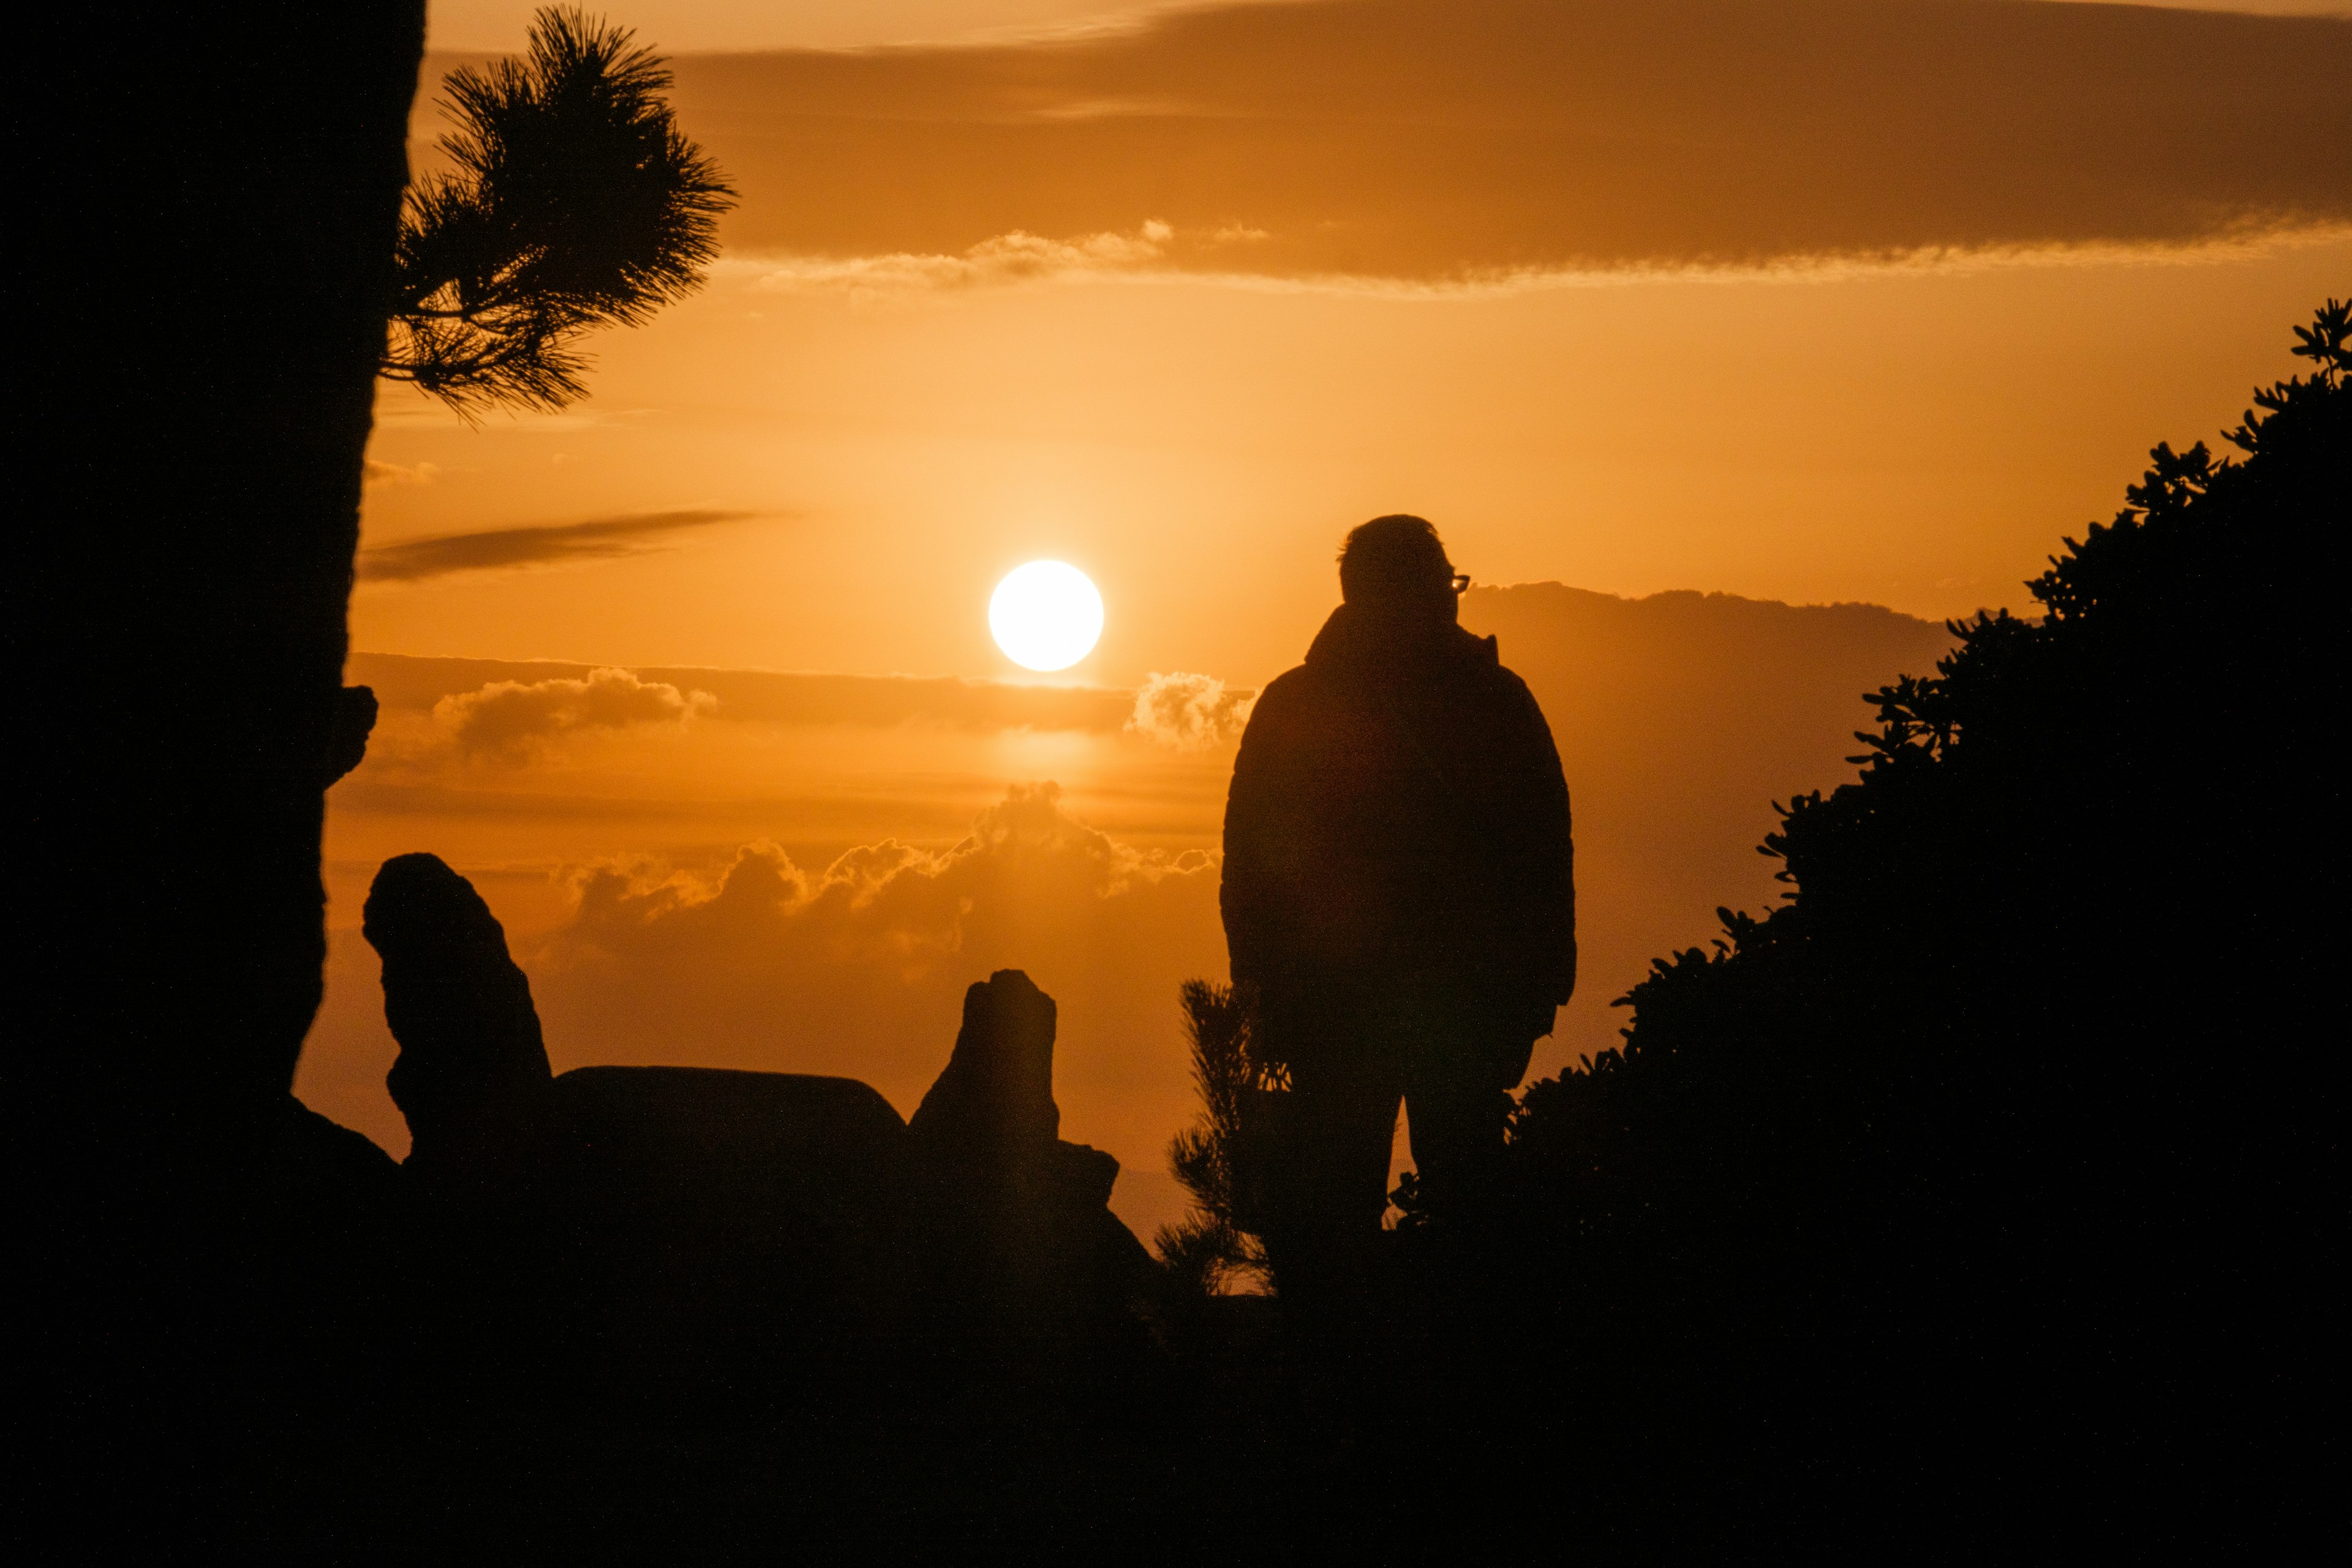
[1397, 565]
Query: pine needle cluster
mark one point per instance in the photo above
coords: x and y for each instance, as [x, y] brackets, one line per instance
[575, 203]
[1207, 1251]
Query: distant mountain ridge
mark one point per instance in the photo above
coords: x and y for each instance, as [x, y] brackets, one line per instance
[1701, 686]
[1680, 718]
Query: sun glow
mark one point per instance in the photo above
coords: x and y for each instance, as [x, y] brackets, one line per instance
[1045, 616]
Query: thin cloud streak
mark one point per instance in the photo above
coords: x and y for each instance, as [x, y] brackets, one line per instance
[598, 539]
[873, 280]
[403, 681]
[1015, 258]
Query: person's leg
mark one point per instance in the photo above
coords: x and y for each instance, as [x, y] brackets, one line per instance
[1349, 1121]
[1341, 1125]
[1454, 1330]
[1454, 1116]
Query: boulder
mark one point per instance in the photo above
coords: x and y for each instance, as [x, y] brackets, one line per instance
[740, 1234]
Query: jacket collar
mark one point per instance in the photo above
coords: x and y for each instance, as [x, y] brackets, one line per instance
[1352, 640]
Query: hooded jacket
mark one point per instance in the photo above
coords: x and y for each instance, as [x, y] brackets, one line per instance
[1397, 833]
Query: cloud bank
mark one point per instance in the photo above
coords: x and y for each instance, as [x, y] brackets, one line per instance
[858, 969]
[891, 903]
[1485, 139]
[506, 718]
[598, 539]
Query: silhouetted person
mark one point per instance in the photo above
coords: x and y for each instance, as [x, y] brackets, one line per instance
[1398, 888]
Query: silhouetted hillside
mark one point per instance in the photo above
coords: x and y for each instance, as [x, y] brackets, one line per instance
[1990, 1172]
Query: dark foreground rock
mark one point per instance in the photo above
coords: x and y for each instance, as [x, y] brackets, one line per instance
[740, 1236]
[1022, 1223]
[726, 1241]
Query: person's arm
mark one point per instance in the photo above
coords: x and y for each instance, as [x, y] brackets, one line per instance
[1550, 863]
[1258, 805]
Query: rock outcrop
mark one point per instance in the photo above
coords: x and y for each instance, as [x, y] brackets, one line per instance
[995, 1096]
[472, 1079]
[707, 1236]
[1024, 1231]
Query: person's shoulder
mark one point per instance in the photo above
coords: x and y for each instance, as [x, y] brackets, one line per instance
[1290, 679]
[1297, 684]
[1473, 652]
[1284, 718]
[1281, 705]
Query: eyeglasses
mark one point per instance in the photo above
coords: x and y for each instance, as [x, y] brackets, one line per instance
[1462, 582]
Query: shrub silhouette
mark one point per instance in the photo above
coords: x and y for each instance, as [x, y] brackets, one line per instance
[2014, 1103]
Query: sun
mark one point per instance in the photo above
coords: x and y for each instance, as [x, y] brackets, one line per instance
[1045, 616]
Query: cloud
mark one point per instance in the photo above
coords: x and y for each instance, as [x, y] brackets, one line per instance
[858, 969]
[1189, 713]
[1510, 139]
[381, 473]
[1015, 258]
[1009, 259]
[506, 719]
[598, 539]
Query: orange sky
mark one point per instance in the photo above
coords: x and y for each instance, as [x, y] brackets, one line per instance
[1716, 333]
[839, 24]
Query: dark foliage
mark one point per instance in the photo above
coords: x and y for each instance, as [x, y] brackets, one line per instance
[2040, 727]
[577, 203]
[2019, 1101]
